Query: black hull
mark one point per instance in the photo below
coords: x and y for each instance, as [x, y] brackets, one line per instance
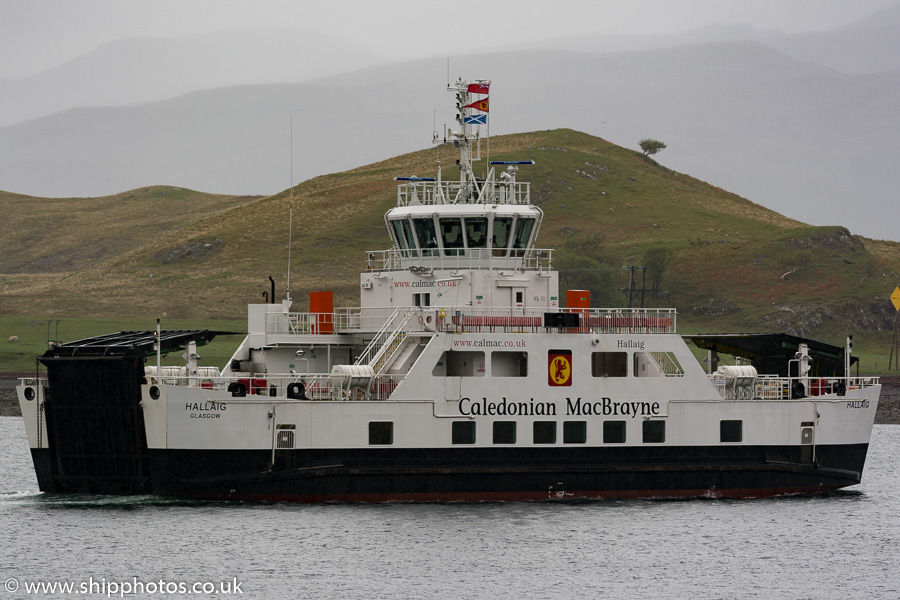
[488, 474]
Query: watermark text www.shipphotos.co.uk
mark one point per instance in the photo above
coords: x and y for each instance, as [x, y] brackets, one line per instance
[121, 589]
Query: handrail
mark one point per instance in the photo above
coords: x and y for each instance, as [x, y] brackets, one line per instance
[775, 387]
[317, 386]
[454, 192]
[471, 319]
[378, 343]
[525, 259]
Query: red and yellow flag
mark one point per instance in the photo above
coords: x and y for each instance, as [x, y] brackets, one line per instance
[481, 105]
[559, 367]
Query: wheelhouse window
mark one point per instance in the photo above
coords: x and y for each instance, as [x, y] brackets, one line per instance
[381, 433]
[426, 236]
[731, 432]
[609, 364]
[476, 232]
[544, 432]
[460, 363]
[500, 236]
[654, 432]
[405, 240]
[504, 432]
[613, 432]
[452, 236]
[574, 432]
[463, 432]
[524, 227]
[509, 364]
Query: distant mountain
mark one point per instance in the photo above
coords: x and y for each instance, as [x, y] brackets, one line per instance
[811, 142]
[868, 46]
[138, 71]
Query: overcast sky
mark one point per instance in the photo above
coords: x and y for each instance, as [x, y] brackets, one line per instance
[38, 34]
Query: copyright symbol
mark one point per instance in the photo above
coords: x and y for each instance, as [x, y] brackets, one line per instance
[11, 584]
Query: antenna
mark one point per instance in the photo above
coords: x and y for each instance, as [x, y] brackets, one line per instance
[291, 216]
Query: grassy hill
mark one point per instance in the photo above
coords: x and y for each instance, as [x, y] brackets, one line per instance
[730, 264]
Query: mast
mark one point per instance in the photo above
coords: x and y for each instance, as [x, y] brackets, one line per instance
[471, 112]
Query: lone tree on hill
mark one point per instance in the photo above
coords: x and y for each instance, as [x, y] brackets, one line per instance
[651, 146]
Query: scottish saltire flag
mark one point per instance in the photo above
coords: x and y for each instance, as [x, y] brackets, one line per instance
[476, 120]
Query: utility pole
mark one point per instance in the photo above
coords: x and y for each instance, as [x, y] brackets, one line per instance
[895, 343]
[631, 288]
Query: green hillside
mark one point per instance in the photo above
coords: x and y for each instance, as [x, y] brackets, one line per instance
[729, 264]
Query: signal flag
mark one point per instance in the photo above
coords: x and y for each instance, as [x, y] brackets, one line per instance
[481, 105]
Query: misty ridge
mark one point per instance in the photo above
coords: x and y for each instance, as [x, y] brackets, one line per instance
[804, 124]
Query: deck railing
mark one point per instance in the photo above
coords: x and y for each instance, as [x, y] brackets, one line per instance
[315, 386]
[453, 192]
[471, 319]
[394, 259]
[774, 387]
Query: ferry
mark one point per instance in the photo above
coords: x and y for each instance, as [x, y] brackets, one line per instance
[463, 375]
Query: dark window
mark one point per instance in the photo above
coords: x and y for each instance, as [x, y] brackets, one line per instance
[731, 431]
[523, 233]
[477, 232]
[501, 236]
[654, 432]
[509, 364]
[613, 432]
[452, 236]
[426, 235]
[609, 364]
[574, 432]
[463, 432]
[545, 432]
[405, 240]
[504, 432]
[381, 433]
[460, 363]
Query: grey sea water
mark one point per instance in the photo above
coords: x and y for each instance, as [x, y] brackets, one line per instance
[838, 545]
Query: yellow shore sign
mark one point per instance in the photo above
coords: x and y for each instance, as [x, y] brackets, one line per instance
[895, 298]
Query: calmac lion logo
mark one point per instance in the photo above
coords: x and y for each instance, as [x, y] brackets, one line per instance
[560, 370]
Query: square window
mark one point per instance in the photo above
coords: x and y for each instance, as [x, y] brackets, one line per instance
[613, 432]
[609, 364]
[381, 433]
[545, 432]
[654, 432]
[731, 431]
[509, 364]
[463, 432]
[504, 432]
[574, 432]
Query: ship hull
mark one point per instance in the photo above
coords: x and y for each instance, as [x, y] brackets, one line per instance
[473, 475]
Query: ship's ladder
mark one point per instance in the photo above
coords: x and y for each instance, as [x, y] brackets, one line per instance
[389, 339]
